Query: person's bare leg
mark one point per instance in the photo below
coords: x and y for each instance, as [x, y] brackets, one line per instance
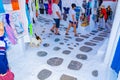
[53, 28]
[75, 32]
[56, 31]
[68, 28]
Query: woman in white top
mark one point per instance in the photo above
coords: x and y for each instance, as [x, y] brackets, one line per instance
[72, 20]
[56, 13]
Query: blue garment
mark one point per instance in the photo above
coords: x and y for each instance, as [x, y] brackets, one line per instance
[3, 58]
[57, 22]
[2, 38]
[96, 4]
[60, 4]
[77, 10]
[3, 63]
[7, 19]
[6, 1]
[28, 15]
[46, 6]
[1, 7]
[66, 10]
[88, 9]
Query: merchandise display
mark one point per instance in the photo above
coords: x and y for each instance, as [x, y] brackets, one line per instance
[5, 72]
[59, 39]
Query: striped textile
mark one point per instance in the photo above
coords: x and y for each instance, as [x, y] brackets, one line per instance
[9, 5]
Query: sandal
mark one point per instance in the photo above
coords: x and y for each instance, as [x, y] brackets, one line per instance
[66, 34]
[76, 35]
[57, 33]
[52, 30]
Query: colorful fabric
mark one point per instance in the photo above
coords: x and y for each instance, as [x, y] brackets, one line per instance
[10, 34]
[3, 58]
[1, 7]
[28, 15]
[6, 1]
[8, 5]
[27, 1]
[8, 76]
[37, 5]
[66, 10]
[3, 62]
[29, 21]
[19, 28]
[50, 7]
[9, 30]
[31, 29]
[7, 19]
[16, 24]
[60, 4]
[15, 4]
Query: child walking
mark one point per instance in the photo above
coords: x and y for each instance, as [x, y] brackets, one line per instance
[72, 20]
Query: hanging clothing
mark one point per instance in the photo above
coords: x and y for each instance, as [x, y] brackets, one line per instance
[29, 21]
[9, 30]
[66, 10]
[5, 73]
[7, 76]
[1, 7]
[37, 5]
[27, 1]
[60, 4]
[15, 4]
[50, 7]
[10, 34]
[6, 1]
[3, 57]
[100, 2]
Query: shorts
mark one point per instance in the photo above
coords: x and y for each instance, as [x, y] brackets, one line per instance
[57, 22]
[73, 22]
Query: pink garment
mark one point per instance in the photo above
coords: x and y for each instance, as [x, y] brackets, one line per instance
[50, 9]
[10, 34]
[89, 18]
[8, 76]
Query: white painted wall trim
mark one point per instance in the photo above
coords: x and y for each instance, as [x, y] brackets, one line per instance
[113, 38]
[118, 76]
